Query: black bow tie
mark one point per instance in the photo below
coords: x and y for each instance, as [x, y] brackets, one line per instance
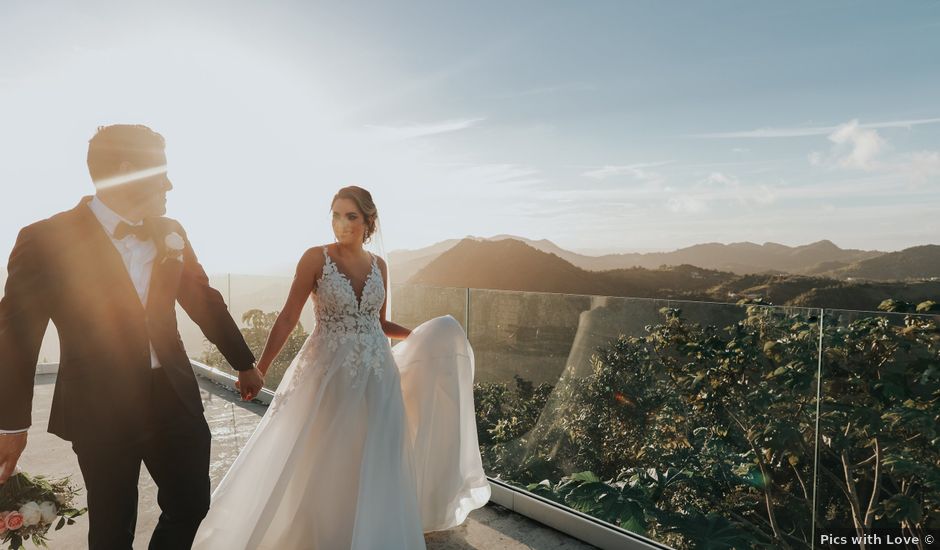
[124, 229]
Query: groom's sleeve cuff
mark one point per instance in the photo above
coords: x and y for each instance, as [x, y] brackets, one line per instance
[14, 431]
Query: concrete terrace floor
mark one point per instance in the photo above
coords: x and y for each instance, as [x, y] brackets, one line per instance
[232, 421]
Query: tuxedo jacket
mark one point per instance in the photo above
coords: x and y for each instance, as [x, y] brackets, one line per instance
[66, 269]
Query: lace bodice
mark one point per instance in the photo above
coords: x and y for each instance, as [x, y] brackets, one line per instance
[337, 306]
[348, 332]
[342, 317]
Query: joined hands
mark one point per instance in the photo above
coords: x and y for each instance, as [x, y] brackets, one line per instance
[249, 383]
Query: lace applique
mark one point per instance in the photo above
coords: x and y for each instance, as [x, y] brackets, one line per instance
[342, 318]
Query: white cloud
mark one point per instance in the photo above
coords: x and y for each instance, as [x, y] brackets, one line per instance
[720, 186]
[716, 190]
[921, 166]
[686, 204]
[498, 174]
[412, 131]
[637, 171]
[854, 147]
[810, 130]
[858, 148]
[718, 179]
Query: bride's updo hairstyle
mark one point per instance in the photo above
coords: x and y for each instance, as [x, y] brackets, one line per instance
[364, 202]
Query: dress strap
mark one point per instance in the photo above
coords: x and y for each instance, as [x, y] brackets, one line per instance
[329, 260]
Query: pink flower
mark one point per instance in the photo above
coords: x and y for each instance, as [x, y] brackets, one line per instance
[3, 523]
[14, 521]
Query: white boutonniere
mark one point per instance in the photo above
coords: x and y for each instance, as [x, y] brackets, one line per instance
[174, 246]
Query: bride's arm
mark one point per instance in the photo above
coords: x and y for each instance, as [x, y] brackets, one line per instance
[390, 329]
[308, 269]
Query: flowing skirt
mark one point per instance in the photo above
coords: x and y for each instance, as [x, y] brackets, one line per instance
[348, 458]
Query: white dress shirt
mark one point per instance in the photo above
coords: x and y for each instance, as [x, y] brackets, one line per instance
[138, 255]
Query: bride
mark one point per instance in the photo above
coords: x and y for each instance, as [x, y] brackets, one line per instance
[363, 446]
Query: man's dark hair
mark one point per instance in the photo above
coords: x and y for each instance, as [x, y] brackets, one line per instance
[112, 145]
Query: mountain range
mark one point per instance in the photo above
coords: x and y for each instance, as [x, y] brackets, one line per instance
[821, 258]
[510, 264]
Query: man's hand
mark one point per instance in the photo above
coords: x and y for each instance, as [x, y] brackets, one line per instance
[11, 447]
[249, 383]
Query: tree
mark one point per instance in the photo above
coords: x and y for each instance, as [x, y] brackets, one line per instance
[258, 326]
[700, 436]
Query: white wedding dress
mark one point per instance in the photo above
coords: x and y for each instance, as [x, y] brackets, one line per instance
[364, 447]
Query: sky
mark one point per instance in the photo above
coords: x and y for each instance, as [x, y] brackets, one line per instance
[602, 126]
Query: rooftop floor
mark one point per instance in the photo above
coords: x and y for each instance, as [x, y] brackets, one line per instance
[231, 422]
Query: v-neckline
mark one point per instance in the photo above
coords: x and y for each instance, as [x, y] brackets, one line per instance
[345, 277]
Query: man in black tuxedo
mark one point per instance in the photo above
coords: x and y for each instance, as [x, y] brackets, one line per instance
[108, 273]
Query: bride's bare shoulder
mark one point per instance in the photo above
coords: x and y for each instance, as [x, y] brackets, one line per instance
[312, 260]
[381, 261]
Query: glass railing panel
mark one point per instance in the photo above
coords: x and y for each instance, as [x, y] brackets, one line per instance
[687, 423]
[879, 451]
[523, 334]
[254, 302]
[412, 305]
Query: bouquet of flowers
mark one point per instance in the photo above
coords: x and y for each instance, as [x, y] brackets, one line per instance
[30, 506]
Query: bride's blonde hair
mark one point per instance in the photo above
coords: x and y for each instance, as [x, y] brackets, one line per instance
[366, 205]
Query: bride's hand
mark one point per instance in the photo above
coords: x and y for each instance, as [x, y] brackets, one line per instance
[249, 383]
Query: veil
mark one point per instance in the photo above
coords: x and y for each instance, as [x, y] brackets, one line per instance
[376, 245]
